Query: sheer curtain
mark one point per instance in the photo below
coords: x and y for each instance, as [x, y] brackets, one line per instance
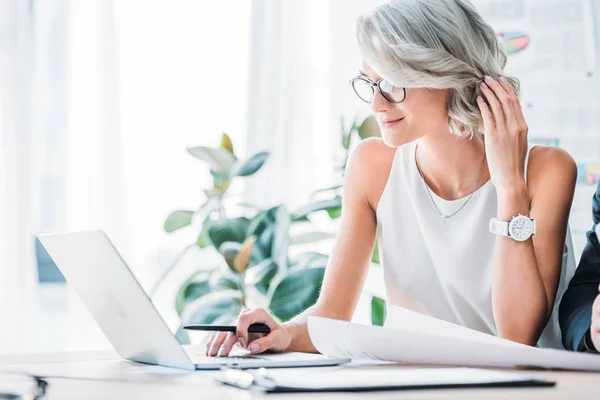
[148, 79]
[289, 110]
[18, 169]
[95, 187]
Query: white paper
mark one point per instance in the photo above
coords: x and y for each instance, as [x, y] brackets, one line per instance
[400, 318]
[353, 378]
[344, 339]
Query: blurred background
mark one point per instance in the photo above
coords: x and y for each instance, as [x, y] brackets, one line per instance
[113, 115]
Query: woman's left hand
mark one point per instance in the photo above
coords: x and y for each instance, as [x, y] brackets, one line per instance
[505, 134]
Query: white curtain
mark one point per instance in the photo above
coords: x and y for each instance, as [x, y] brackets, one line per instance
[59, 132]
[96, 196]
[289, 101]
[95, 185]
[125, 87]
[18, 170]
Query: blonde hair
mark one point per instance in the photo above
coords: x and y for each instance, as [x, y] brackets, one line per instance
[439, 44]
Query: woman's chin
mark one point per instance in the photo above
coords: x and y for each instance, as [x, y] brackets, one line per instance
[396, 139]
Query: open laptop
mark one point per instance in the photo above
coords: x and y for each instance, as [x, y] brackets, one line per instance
[110, 291]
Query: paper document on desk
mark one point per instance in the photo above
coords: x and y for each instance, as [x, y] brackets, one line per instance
[407, 320]
[417, 345]
[353, 379]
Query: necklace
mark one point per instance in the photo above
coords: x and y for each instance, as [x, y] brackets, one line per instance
[442, 215]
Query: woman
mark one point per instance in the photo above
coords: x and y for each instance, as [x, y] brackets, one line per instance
[435, 185]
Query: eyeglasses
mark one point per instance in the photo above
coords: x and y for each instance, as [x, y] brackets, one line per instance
[15, 385]
[365, 90]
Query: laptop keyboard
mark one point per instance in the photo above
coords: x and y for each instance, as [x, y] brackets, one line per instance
[203, 359]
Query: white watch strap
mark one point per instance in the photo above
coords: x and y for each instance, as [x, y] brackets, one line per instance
[498, 227]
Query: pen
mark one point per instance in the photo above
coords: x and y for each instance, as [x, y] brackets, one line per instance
[254, 328]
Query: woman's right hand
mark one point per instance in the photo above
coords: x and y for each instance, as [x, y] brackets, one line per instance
[279, 339]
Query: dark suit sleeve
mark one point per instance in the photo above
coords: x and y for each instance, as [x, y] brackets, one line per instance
[575, 310]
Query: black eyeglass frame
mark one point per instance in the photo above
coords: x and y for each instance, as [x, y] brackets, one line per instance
[375, 85]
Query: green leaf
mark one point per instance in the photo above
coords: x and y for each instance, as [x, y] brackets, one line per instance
[311, 237]
[263, 248]
[261, 275]
[220, 160]
[178, 219]
[346, 139]
[228, 230]
[262, 226]
[224, 280]
[346, 135]
[281, 239]
[229, 250]
[196, 286]
[250, 166]
[226, 143]
[296, 292]
[335, 213]
[369, 128]
[203, 239]
[220, 179]
[303, 218]
[213, 307]
[375, 257]
[378, 311]
[261, 221]
[316, 206]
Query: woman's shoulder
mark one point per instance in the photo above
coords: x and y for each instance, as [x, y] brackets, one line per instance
[370, 163]
[374, 151]
[550, 166]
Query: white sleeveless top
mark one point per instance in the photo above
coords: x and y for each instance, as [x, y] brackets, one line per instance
[443, 267]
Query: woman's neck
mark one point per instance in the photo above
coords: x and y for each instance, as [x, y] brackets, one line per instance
[451, 165]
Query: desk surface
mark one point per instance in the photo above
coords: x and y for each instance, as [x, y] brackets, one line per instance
[100, 374]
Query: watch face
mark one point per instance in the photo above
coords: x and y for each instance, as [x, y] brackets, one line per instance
[521, 228]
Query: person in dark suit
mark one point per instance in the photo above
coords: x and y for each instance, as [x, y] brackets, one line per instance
[579, 312]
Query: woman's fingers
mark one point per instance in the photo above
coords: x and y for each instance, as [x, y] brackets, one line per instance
[496, 107]
[221, 343]
[230, 341]
[277, 340]
[517, 109]
[216, 343]
[502, 96]
[248, 318]
[264, 343]
[209, 343]
[486, 114]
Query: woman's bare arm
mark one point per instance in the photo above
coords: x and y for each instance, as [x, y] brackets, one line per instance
[366, 175]
[365, 178]
[526, 274]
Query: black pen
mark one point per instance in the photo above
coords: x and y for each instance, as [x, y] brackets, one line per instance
[254, 328]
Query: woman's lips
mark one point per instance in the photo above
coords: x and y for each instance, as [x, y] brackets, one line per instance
[390, 123]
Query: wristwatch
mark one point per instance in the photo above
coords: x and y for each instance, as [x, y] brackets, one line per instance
[519, 228]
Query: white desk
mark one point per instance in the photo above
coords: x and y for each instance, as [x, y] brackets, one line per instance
[126, 380]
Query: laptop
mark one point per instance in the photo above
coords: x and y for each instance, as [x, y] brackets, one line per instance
[96, 271]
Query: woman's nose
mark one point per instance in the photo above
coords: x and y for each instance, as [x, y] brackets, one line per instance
[379, 103]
